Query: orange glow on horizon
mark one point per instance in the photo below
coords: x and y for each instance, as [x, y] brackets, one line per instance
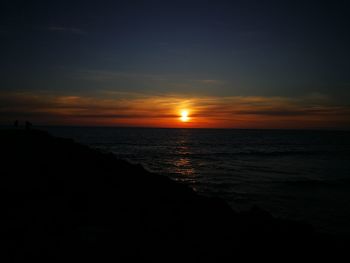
[175, 111]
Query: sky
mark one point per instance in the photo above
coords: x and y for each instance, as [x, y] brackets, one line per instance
[229, 64]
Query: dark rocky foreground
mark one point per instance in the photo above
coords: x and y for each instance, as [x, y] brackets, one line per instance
[63, 201]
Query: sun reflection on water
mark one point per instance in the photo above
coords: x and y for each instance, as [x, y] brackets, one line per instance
[182, 162]
[183, 166]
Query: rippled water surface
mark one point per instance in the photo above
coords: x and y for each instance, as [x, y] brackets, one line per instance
[302, 175]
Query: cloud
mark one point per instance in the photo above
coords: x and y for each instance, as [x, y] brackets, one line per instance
[210, 81]
[107, 75]
[73, 30]
[148, 82]
[162, 110]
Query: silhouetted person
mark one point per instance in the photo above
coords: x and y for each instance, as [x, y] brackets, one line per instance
[15, 124]
[28, 125]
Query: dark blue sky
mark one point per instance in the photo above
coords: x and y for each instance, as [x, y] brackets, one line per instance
[214, 48]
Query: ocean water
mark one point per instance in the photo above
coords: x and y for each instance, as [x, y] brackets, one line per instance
[300, 175]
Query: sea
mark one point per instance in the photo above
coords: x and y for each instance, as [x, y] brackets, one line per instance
[301, 175]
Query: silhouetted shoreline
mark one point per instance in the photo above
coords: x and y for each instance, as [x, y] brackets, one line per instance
[63, 200]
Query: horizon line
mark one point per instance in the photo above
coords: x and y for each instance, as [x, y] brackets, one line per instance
[178, 128]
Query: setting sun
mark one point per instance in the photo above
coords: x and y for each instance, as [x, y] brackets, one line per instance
[184, 116]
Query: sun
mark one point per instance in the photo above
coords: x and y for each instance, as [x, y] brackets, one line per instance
[184, 116]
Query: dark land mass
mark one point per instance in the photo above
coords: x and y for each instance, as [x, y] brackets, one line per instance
[63, 201]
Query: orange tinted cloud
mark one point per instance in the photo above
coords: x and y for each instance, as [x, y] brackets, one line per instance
[132, 109]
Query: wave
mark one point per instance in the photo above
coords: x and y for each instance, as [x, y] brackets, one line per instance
[307, 182]
[246, 153]
[318, 182]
